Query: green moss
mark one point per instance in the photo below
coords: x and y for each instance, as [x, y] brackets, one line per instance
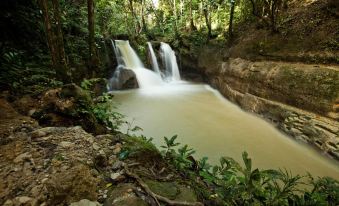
[166, 189]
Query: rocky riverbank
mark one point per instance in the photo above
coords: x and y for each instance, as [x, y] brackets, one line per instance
[69, 166]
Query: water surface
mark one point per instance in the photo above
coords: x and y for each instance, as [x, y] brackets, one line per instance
[215, 127]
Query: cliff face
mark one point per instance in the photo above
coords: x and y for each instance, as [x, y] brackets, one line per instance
[301, 100]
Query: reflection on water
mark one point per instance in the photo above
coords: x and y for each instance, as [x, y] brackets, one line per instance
[215, 127]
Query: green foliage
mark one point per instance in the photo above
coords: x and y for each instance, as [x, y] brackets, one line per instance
[105, 112]
[234, 184]
[170, 144]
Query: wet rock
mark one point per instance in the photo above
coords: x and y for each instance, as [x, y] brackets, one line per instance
[85, 202]
[124, 79]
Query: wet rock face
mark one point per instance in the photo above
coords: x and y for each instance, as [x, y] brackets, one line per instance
[124, 79]
[308, 87]
[299, 99]
[306, 127]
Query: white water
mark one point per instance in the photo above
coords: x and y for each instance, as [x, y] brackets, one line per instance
[146, 78]
[170, 62]
[130, 57]
[154, 59]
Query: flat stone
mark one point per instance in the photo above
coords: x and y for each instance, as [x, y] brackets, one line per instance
[38, 133]
[23, 200]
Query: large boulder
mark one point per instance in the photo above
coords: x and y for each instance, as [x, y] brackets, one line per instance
[123, 79]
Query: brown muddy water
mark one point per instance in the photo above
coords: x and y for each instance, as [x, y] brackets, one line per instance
[215, 127]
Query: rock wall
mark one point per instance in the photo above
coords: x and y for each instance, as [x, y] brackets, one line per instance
[301, 100]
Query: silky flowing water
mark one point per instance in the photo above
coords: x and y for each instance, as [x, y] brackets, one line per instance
[214, 127]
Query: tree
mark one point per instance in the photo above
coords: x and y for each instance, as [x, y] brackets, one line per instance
[264, 9]
[230, 26]
[55, 40]
[137, 26]
[93, 58]
[207, 20]
[192, 26]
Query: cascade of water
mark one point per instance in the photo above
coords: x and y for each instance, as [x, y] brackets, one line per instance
[154, 59]
[130, 60]
[129, 56]
[170, 62]
[118, 56]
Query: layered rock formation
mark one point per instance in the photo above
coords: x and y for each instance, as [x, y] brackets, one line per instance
[301, 100]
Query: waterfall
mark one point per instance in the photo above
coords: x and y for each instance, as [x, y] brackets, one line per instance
[154, 59]
[128, 59]
[170, 62]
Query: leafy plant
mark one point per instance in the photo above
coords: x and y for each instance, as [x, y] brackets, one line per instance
[170, 144]
[105, 111]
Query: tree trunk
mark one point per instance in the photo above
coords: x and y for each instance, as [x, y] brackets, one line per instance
[192, 26]
[144, 25]
[208, 23]
[93, 58]
[55, 41]
[49, 32]
[137, 24]
[230, 27]
[175, 18]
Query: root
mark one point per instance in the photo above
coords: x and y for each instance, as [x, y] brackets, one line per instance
[157, 197]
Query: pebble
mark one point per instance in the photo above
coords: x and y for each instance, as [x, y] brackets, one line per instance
[44, 180]
[117, 176]
[117, 165]
[95, 146]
